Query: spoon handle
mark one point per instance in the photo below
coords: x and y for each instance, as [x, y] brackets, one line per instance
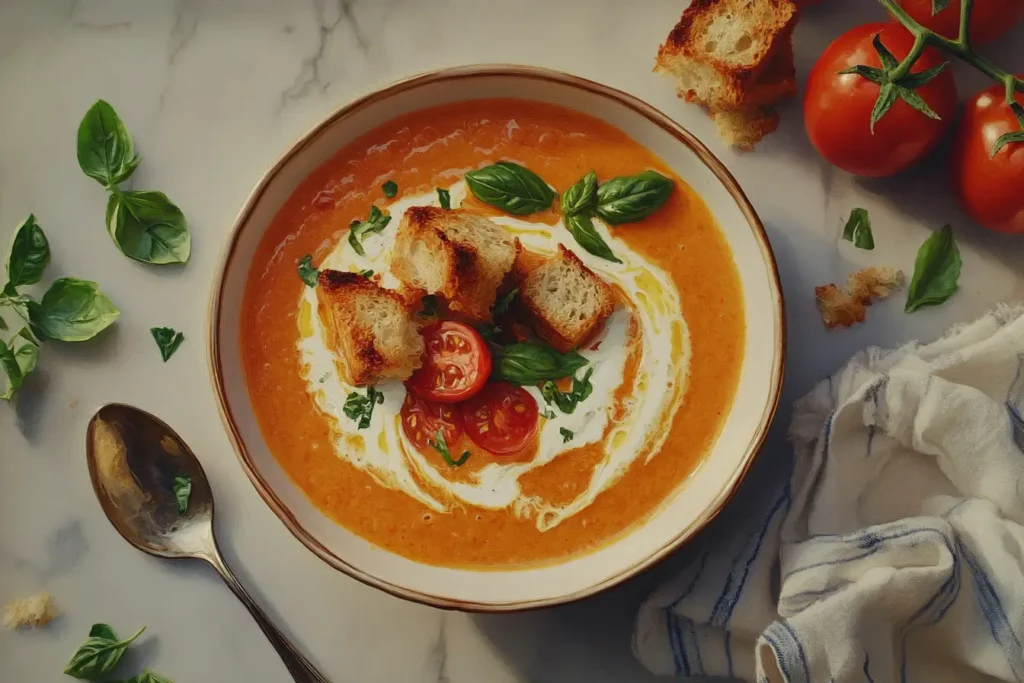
[300, 668]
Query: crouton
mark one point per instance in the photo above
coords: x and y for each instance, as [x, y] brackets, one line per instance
[563, 300]
[846, 307]
[369, 327]
[720, 48]
[33, 612]
[455, 254]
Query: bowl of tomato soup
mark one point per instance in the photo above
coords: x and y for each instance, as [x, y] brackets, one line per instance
[523, 464]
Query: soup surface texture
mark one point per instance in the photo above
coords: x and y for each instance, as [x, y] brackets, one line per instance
[665, 365]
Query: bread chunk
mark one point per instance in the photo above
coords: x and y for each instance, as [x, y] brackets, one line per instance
[846, 307]
[32, 612]
[563, 300]
[458, 255]
[369, 327]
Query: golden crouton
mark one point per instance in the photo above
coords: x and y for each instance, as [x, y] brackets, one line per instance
[846, 307]
[33, 612]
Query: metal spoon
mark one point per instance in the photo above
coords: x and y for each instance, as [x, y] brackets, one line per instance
[133, 459]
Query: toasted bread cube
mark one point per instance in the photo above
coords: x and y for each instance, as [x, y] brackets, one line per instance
[460, 256]
[720, 48]
[564, 301]
[370, 328]
[32, 612]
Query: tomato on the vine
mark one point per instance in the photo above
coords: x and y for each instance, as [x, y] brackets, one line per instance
[456, 365]
[501, 419]
[990, 188]
[989, 18]
[838, 107]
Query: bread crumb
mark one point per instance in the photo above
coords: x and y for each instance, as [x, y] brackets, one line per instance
[847, 307]
[33, 612]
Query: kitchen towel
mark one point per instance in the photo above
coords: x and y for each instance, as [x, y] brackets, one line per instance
[895, 552]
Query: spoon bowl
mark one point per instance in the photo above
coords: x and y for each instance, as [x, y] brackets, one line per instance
[133, 459]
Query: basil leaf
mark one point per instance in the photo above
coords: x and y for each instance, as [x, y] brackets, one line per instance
[566, 401]
[566, 434]
[182, 487]
[629, 199]
[365, 273]
[502, 304]
[444, 198]
[511, 188]
[106, 152]
[858, 230]
[360, 408]
[586, 235]
[72, 310]
[148, 676]
[147, 227]
[307, 272]
[548, 414]
[581, 197]
[12, 369]
[936, 271]
[428, 306]
[491, 333]
[29, 256]
[99, 654]
[441, 446]
[167, 340]
[390, 189]
[533, 362]
[376, 222]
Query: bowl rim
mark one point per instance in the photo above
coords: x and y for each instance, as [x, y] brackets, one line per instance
[637, 106]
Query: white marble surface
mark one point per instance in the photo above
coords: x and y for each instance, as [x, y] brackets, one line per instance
[213, 90]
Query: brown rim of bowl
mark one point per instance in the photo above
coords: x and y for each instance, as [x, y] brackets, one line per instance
[457, 73]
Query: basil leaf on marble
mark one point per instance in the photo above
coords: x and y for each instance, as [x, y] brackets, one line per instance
[566, 434]
[148, 676]
[17, 359]
[511, 188]
[441, 446]
[858, 230]
[72, 310]
[586, 235]
[182, 487]
[390, 189]
[99, 654]
[29, 256]
[532, 362]
[566, 401]
[376, 222]
[581, 198]
[307, 272]
[629, 199]
[106, 151]
[146, 226]
[167, 340]
[444, 198]
[936, 271]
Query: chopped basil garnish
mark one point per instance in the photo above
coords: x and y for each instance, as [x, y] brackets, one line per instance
[533, 362]
[376, 222]
[548, 414]
[511, 188]
[502, 304]
[307, 272]
[566, 401]
[99, 654]
[365, 273]
[390, 188]
[629, 199]
[566, 434]
[167, 340]
[428, 306]
[360, 408]
[441, 446]
[858, 230]
[444, 198]
[182, 487]
[323, 377]
[936, 271]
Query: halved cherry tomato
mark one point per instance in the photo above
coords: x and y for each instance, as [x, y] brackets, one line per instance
[422, 419]
[457, 365]
[501, 419]
[989, 18]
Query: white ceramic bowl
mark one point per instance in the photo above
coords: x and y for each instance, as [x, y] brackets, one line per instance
[695, 501]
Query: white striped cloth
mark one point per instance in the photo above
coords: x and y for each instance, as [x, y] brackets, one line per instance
[896, 550]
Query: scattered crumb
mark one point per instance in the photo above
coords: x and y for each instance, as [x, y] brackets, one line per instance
[743, 128]
[847, 307]
[34, 612]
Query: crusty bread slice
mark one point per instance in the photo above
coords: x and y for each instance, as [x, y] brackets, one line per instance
[720, 48]
[563, 300]
[369, 327]
[461, 256]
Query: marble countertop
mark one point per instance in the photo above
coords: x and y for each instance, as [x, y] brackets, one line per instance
[213, 90]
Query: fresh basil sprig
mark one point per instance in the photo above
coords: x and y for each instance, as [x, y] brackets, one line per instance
[585, 233]
[532, 362]
[444, 198]
[99, 654]
[566, 401]
[17, 358]
[182, 487]
[441, 446]
[581, 198]
[511, 188]
[148, 676]
[376, 222]
[30, 254]
[307, 272]
[858, 230]
[144, 224]
[936, 271]
[628, 199]
[72, 310]
[167, 340]
[360, 408]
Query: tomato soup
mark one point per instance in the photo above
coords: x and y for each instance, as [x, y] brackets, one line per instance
[676, 340]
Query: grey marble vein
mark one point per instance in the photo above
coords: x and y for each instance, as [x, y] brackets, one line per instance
[439, 653]
[77, 22]
[186, 21]
[310, 75]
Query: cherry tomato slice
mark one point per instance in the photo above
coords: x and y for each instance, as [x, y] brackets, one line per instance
[501, 419]
[422, 419]
[457, 363]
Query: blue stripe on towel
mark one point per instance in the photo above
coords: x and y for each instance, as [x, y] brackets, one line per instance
[799, 649]
[873, 543]
[992, 609]
[675, 638]
[778, 655]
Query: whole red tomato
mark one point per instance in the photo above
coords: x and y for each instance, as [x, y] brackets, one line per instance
[990, 189]
[989, 19]
[837, 107]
